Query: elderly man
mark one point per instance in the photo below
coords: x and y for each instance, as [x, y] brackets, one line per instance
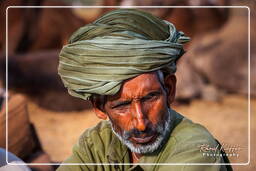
[124, 63]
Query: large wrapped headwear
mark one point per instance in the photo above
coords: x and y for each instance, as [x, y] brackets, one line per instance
[122, 44]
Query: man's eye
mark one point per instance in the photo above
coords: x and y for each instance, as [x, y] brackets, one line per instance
[121, 105]
[151, 96]
[148, 97]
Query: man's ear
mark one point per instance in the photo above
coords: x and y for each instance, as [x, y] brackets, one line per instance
[98, 111]
[170, 85]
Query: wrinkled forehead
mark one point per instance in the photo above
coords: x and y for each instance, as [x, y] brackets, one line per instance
[138, 87]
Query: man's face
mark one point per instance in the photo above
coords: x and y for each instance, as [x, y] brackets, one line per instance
[139, 113]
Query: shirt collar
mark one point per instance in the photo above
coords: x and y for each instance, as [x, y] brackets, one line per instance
[117, 151]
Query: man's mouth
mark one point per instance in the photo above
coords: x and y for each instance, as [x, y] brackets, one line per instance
[144, 140]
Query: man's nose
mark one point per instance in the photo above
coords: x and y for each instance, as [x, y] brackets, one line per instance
[139, 119]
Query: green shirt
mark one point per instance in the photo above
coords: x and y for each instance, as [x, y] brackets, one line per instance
[100, 145]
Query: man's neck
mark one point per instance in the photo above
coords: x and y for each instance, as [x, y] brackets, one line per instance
[135, 157]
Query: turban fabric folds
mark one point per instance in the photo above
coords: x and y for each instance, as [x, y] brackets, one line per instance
[120, 45]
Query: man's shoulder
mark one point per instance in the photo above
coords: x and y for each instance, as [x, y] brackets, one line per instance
[102, 132]
[186, 139]
[188, 130]
[93, 146]
[100, 128]
[184, 146]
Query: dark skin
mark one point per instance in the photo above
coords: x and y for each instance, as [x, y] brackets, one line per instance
[142, 102]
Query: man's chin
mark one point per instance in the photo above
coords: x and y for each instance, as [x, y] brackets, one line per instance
[145, 147]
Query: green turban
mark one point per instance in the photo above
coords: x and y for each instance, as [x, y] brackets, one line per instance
[122, 44]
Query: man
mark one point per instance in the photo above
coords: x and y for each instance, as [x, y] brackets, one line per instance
[124, 63]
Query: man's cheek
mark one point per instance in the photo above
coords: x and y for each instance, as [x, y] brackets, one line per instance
[157, 111]
[121, 123]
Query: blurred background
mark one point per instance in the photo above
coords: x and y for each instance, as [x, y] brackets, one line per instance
[44, 122]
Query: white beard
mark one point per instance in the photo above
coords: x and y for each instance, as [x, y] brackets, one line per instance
[163, 129]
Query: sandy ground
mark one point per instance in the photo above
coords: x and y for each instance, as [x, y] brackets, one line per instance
[226, 120]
